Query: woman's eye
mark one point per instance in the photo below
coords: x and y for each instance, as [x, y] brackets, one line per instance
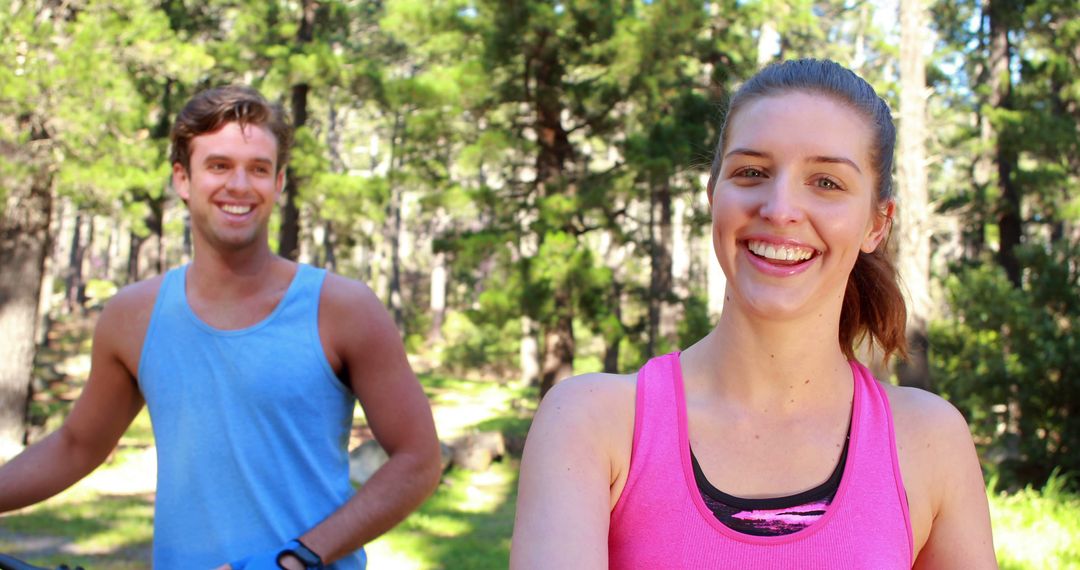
[749, 173]
[827, 183]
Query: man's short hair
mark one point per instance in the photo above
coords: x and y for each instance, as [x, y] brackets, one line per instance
[212, 109]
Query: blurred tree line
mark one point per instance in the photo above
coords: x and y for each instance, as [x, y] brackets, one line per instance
[522, 181]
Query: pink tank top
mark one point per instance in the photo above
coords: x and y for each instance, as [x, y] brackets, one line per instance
[661, 521]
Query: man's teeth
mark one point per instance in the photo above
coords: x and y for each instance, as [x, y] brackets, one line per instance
[780, 252]
[236, 209]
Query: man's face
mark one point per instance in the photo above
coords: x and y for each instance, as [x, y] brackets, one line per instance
[232, 185]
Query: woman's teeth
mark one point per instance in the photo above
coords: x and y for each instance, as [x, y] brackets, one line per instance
[778, 252]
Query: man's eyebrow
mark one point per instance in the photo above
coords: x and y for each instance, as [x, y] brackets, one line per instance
[835, 160]
[212, 157]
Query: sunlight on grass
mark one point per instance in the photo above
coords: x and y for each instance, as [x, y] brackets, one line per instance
[1037, 529]
[461, 406]
[466, 524]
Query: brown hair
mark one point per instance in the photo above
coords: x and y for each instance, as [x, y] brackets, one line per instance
[874, 307]
[210, 110]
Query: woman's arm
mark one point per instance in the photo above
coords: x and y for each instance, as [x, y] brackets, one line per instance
[944, 483]
[578, 446]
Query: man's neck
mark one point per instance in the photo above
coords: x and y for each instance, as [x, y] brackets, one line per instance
[224, 275]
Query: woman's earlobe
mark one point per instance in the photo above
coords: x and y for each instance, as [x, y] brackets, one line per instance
[881, 228]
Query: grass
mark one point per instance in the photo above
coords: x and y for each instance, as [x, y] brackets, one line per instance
[1037, 528]
[466, 524]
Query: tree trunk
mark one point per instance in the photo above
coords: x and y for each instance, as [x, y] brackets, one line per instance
[337, 165]
[329, 247]
[555, 152]
[49, 274]
[529, 353]
[558, 348]
[914, 208]
[188, 247]
[24, 243]
[438, 297]
[613, 344]
[660, 264]
[392, 230]
[74, 287]
[1008, 212]
[289, 234]
[134, 252]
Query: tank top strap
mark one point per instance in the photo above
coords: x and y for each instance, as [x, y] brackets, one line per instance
[301, 302]
[655, 458]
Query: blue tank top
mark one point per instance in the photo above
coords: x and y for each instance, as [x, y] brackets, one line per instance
[251, 426]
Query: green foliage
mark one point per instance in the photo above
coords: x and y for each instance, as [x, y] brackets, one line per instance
[473, 343]
[1009, 358]
[696, 322]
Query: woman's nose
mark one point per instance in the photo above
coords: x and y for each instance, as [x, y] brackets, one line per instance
[781, 201]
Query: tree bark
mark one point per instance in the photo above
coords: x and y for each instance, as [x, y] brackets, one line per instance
[913, 212]
[392, 230]
[555, 151]
[438, 297]
[612, 345]
[660, 264]
[289, 234]
[558, 348]
[529, 353]
[24, 244]
[133, 257]
[74, 287]
[1010, 225]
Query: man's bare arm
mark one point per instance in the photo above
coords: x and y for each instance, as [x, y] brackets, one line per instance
[360, 332]
[108, 403]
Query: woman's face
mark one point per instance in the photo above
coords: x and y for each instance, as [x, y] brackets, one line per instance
[794, 204]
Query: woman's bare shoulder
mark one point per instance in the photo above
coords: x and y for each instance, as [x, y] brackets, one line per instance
[920, 414]
[595, 388]
[598, 407]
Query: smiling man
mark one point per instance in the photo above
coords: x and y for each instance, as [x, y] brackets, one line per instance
[250, 365]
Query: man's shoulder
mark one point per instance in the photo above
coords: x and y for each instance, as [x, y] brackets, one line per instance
[123, 323]
[350, 312]
[346, 294]
[134, 301]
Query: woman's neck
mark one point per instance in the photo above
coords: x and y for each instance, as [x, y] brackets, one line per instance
[774, 364]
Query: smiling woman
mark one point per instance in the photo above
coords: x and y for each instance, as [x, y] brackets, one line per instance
[766, 444]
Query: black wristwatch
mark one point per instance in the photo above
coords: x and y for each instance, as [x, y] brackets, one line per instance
[300, 550]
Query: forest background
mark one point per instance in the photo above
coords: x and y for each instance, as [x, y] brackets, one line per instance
[522, 181]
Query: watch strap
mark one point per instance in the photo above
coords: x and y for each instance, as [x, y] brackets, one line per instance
[307, 556]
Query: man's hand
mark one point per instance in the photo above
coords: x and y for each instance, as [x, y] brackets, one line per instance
[265, 561]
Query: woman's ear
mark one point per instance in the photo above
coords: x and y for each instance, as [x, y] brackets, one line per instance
[879, 228]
